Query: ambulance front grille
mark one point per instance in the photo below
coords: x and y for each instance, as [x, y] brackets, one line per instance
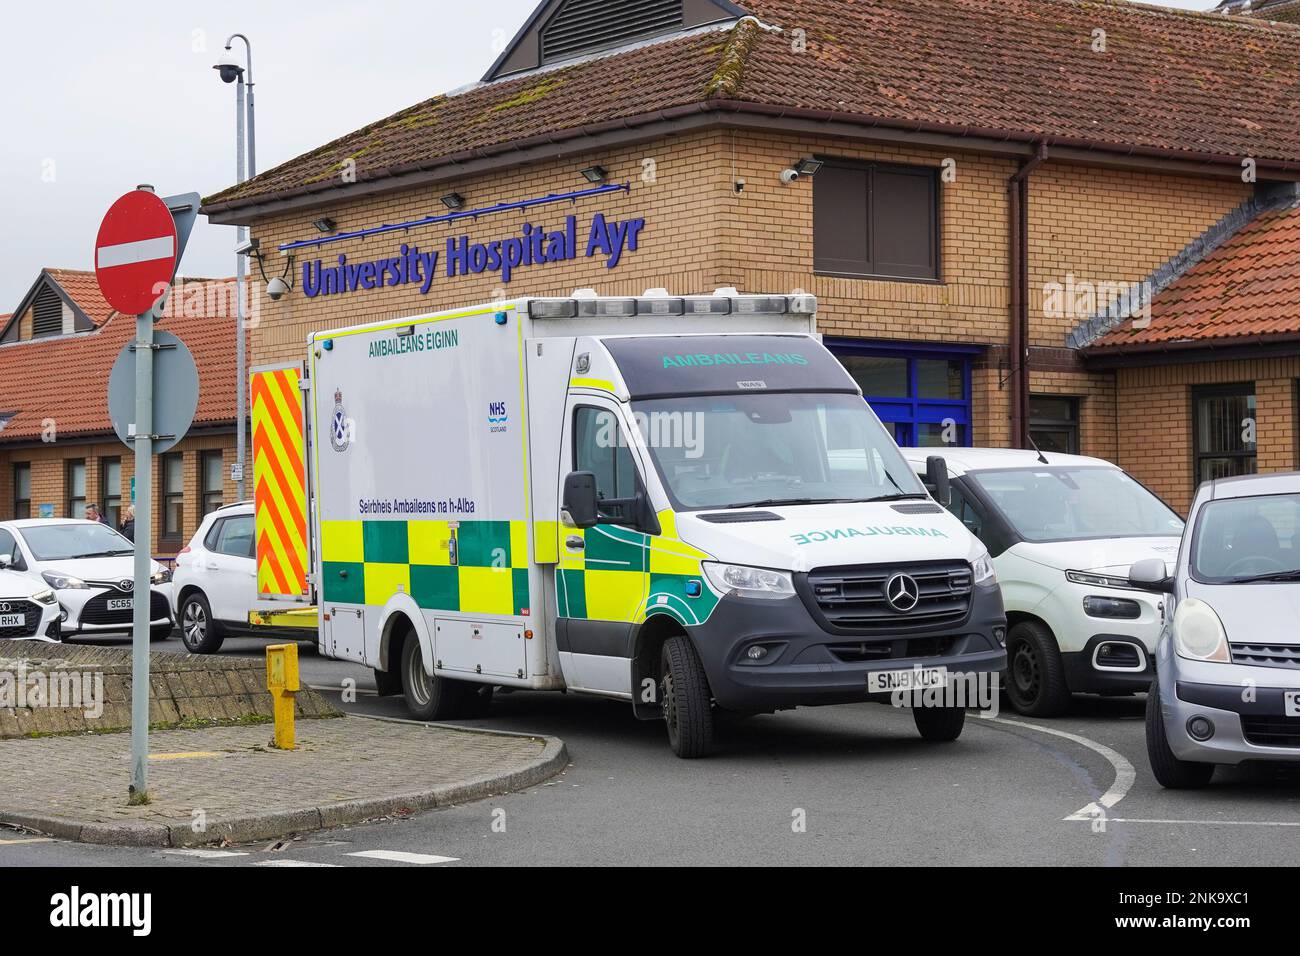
[854, 599]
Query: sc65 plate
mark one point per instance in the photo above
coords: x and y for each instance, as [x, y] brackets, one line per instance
[914, 678]
[1291, 702]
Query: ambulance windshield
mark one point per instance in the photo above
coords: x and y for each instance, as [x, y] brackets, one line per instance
[768, 448]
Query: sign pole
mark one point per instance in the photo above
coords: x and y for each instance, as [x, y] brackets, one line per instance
[142, 593]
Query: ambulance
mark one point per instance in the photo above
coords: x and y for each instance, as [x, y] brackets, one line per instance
[679, 502]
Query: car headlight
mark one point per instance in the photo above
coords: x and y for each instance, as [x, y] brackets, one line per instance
[748, 582]
[59, 581]
[1198, 632]
[982, 569]
[160, 577]
[45, 597]
[1098, 580]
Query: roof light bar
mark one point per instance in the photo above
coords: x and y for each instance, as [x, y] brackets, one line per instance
[552, 308]
[589, 308]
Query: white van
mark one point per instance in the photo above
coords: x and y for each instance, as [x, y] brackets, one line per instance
[1063, 531]
[683, 503]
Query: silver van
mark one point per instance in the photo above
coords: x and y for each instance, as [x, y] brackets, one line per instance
[1227, 686]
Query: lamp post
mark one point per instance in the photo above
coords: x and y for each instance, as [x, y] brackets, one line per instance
[245, 158]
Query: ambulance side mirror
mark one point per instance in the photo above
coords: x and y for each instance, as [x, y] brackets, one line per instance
[580, 499]
[936, 480]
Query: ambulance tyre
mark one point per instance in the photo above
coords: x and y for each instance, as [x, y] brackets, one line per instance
[427, 697]
[939, 724]
[687, 702]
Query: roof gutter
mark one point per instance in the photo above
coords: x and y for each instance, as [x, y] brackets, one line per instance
[698, 114]
[1191, 350]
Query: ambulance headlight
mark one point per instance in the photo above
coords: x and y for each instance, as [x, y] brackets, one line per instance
[744, 581]
[982, 569]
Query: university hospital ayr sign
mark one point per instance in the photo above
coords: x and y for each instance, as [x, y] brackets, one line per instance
[606, 238]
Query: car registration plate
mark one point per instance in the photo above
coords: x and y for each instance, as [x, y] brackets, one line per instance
[1291, 701]
[915, 678]
[12, 620]
[120, 604]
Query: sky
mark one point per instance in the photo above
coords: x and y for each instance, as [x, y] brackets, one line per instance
[100, 99]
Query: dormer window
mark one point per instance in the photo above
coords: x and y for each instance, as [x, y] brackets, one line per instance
[579, 27]
[47, 314]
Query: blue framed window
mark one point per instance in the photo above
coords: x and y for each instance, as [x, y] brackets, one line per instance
[921, 392]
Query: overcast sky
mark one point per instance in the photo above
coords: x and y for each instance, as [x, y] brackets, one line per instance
[100, 97]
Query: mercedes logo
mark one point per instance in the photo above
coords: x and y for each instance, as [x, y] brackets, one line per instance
[126, 584]
[902, 592]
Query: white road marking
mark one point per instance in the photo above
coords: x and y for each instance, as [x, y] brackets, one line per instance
[1209, 823]
[398, 856]
[205, 854]
[26, 840]
[291, 863]
[129, 253]
[1125, 775]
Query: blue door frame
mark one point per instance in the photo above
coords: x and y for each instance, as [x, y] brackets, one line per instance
[906, 413]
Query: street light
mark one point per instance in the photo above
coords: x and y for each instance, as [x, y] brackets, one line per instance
[230, 71]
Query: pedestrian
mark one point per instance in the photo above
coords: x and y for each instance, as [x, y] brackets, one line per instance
[94, 514]
[128, 522]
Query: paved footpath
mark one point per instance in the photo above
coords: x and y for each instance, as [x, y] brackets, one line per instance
[228, 784]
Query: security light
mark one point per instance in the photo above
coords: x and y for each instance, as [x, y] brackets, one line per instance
[595, 174]
[324, 224]
[454, 201]
[808, 166]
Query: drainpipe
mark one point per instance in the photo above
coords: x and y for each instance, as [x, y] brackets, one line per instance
[1018, 320]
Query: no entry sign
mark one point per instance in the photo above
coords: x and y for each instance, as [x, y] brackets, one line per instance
[136, 252]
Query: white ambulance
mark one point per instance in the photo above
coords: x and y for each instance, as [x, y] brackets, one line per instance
[681, 502]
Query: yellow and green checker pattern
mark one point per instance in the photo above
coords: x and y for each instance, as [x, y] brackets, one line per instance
[626, 575]
[367, 562]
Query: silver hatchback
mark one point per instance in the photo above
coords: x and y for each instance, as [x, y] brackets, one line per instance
[1227, 686]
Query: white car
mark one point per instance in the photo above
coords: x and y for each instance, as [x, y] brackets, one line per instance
[91, 569]
[215, 583]
[1063, 531]
[28, 609]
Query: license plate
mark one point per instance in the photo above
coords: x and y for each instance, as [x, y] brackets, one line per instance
[120, 604]
[916, 678]
[1291, 700]
[12, 620]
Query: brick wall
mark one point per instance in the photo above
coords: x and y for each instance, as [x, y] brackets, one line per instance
[1154, 416]
[49, 485]
[1095, 224]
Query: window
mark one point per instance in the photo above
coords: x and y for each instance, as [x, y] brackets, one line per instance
[600, 448]
[966, 512]
[1223, 424]
[1240, 539]
[922, 395]
[232, 536]
[210, 474]
[23, 490]
[75, 485]
[9, 549]
[110, 490]
[1054, 423]
[172, 468]
[874, 220]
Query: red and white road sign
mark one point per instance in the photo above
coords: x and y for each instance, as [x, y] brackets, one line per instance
[135, 252]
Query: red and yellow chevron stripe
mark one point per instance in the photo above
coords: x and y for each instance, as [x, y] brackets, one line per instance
[279, 482]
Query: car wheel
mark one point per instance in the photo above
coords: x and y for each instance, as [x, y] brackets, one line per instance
[687, 703]
[1035, 675]
[939, 724]
[428, 697]
[1170, 772]
[199, 633]
[160, 633]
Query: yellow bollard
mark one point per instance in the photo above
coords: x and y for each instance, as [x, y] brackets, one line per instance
[282, 682]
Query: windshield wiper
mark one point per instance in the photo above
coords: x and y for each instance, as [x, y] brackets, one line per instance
[1270, 576]
[900, 496]
[102, 554]
[775, 502]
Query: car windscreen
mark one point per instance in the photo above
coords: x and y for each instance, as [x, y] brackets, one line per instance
[55, 542]
[1256, 538]
[732, 451]
[1074, 503]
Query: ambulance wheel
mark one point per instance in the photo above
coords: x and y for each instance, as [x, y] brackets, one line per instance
[427, 697]
[939, 724]
[1035, 677]
[687, 703]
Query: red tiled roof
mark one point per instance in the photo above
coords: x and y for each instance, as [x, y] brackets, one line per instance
[1248, 288]
[65, 378]
[1169, 82]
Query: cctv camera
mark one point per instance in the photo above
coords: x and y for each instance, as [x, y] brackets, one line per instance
[228, 69]
[247, 247]
[277, 289]
[789, 176]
